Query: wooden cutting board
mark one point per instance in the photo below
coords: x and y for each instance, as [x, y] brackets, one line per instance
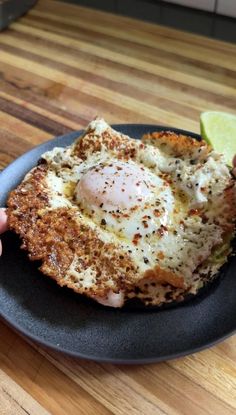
[60, 65]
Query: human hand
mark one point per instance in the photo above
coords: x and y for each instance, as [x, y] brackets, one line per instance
[234, 166]
[3, 225]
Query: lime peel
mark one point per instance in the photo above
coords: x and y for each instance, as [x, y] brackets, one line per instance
[219, 130]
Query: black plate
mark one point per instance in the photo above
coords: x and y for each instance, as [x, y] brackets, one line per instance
[62, 320]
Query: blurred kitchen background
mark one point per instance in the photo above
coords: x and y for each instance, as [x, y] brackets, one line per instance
[214, 18]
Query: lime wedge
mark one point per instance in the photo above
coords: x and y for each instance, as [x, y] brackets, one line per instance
[219, 130]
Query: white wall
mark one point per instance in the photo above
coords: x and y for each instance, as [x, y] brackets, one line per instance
[227, 7]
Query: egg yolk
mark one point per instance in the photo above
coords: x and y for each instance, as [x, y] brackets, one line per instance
[117, 185]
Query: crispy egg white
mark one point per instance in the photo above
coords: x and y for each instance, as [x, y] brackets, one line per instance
[147, 205]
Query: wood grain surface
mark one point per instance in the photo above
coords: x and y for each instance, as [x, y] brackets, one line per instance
[60, 65]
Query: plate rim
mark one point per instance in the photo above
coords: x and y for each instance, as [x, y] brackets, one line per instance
[138, 361]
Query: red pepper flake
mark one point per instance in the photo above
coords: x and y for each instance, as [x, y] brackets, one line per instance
[136, 238]
[192, 212]
[157, 213]
[140, 199]
[122, 190]
[138, 184]
[137, 235]
[145, 224]
[119, 168]
[161, 231]
[141, 145]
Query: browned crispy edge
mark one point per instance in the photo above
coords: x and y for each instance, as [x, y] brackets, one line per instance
[173, 143]
[54, 237]
[121, 145]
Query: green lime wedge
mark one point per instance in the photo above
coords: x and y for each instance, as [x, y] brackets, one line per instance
[219, 130]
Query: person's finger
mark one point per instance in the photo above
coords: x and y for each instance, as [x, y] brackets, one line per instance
[234, 161]
[3, 220]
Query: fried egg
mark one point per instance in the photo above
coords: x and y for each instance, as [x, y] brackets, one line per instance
[116, 218]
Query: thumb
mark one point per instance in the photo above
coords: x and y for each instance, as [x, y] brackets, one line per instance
[234, 161]
[3, 221]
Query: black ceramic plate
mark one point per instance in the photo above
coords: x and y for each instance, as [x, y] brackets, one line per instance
[62, 320]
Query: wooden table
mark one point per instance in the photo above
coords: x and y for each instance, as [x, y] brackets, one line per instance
[60, 66]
